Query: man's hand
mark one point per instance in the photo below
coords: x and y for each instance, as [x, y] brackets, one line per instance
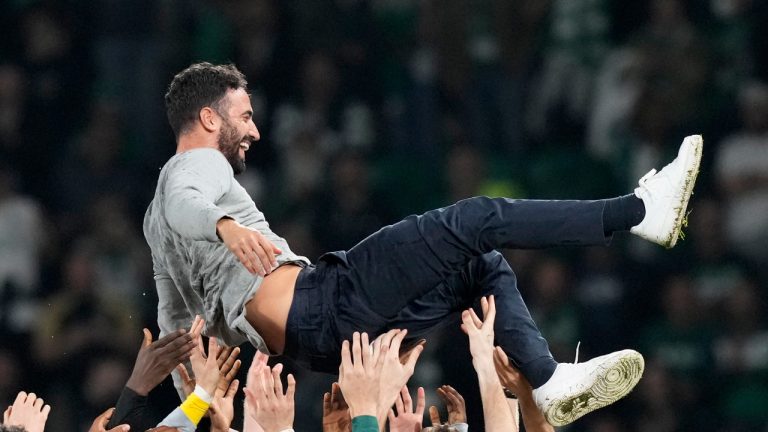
[253, 250]
[228, 366]
[394, 374]
[157, 359]
[254, 372]
[273, 410]
[222, 409]
[454, 403]
[360, 374]
[407, 419]
[480, 332]
[336, 416]
[510, 377]
[205, 368]
[100, 424]
[27, 411]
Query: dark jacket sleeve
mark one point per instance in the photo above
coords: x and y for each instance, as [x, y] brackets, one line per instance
[132, 409]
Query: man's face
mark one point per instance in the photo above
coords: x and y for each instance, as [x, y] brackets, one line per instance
[237, 131]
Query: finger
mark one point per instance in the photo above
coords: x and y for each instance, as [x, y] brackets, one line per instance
[455, 395]
[259, 254]
[243, 255]
[441, 394]
[46, 410]
[184, 374]
[434, 416]
[223, 356]
[106, 416]
[467, 323]
[386, 338]
[413, 357]
[255, 259]
[291, 387]
[232, 390]
[421, 401]
[213, 348]
[484, 306]
[356, 351]
[30, 400]
[38, 403]
[407, 401]
[250, 398]
[366, 351]
[399, 404]
[230, 361]
[327, 406]
[147, 341]
[397, 340]
[475, 319]
[391, 416]
[120, 428]
[20, 398]
[269, 249]
[346, 358]
[491, 307]
[276, 381]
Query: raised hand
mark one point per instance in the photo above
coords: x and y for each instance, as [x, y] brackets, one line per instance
[406, 419]
[257, 365]
[454, 403]
[205, 367]
[250, 246]
[272, 410]
[394, 373]
[336, 416]
[360, 374]
[100, 423]
[510, 377]
[222, 409]
[228, 367]
[157, 359]
[480, 332]
[28, 411]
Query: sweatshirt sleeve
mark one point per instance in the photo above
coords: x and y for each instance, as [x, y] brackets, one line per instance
[195, 183]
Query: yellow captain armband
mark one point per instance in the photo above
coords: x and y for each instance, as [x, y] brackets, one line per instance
[196, 405]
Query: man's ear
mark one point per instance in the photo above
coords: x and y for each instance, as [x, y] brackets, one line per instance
[209, 119]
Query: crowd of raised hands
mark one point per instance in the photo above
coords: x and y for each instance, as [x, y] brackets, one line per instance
[371, 393]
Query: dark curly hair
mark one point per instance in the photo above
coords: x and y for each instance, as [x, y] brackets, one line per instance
[198, 86]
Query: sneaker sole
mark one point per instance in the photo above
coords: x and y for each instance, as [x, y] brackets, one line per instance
[690, 181]
[612, 382]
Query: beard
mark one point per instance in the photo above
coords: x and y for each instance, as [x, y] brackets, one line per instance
[229, 145]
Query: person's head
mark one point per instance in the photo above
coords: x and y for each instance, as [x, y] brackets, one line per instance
[213, 100]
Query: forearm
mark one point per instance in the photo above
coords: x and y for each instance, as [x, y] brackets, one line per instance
[533, 419]
[496, 413]
[188, 414]
[132, 409]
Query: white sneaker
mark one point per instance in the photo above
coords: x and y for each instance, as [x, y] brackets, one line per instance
[577, 389]
[666, 193]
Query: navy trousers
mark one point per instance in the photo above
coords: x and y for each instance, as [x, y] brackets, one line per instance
[418, 273]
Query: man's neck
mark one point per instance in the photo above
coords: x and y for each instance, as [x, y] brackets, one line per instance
[195, 140]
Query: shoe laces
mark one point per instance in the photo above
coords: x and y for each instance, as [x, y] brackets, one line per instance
[644, 179]
[576, 360]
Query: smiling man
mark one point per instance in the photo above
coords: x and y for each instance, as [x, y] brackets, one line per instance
[215, 255]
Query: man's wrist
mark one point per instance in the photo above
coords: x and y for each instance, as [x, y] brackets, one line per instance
[221, 224]
[138, 388]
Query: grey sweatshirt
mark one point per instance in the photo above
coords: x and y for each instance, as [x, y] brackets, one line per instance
[195, 273]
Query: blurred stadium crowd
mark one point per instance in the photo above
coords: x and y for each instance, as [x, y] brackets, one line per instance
[372, 110]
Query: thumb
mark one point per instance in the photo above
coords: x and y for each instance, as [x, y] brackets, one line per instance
[147, 338]
[120, 428]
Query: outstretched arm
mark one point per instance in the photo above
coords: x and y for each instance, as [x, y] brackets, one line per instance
[498, 417]
[513, 380]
